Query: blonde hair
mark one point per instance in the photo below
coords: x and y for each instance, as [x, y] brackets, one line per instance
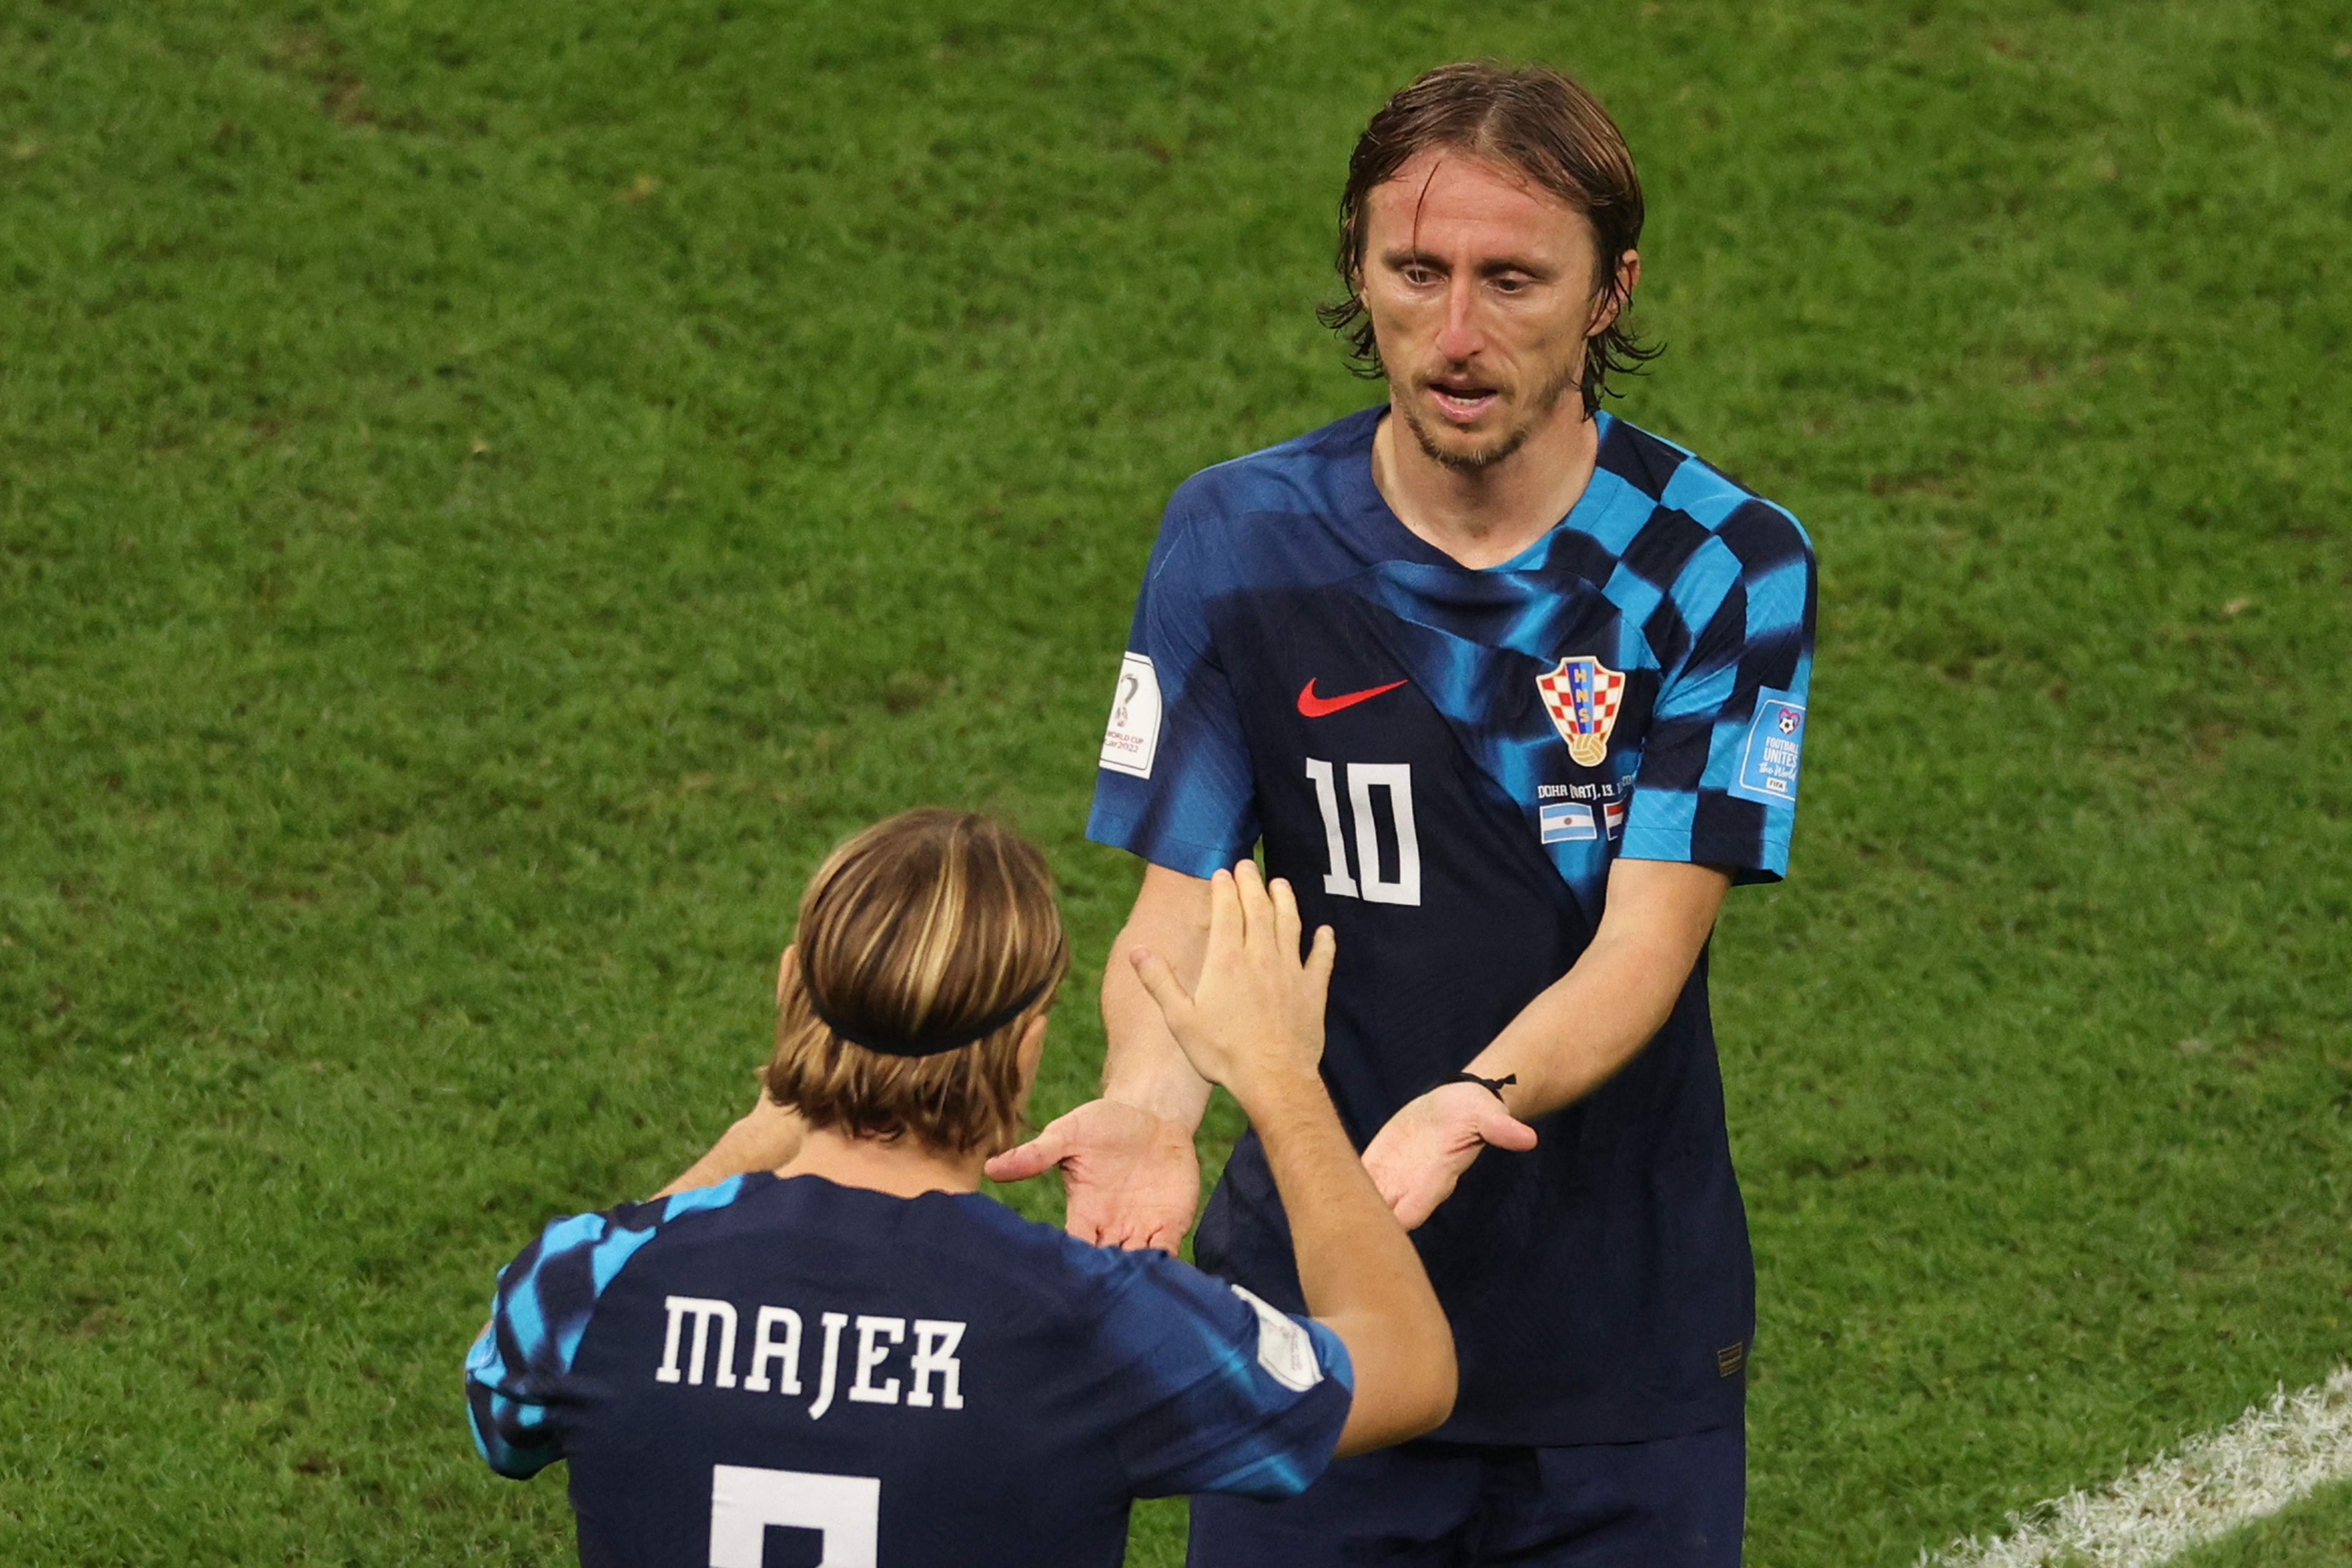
[925, 946]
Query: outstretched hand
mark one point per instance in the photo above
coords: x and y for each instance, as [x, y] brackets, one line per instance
[1418, 1157]
[1131, 1178]
[1257, 1014]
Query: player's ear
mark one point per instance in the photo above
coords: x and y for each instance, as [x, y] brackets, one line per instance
[1620, 295]
[1031, 1052]
[1026, 1056]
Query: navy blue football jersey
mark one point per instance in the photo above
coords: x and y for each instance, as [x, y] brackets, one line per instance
[1445, 762]
[865, 1380]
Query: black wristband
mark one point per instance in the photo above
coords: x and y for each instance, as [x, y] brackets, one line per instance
[1493, 1086]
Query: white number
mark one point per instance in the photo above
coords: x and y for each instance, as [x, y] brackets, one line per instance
[1363, 778]
[744, 1501]
[1336, 880]
[1397, 779]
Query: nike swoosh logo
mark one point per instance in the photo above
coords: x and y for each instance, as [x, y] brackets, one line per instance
[1316, 707]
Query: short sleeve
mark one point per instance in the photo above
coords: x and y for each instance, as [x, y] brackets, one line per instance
[518, 1384]
[1174, 784]
[1222, 1392]
[516, 1372]
[1718, 784]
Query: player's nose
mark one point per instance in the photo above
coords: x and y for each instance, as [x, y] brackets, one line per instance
[1458, 337]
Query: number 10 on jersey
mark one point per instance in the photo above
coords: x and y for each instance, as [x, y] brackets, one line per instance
[1393, 780]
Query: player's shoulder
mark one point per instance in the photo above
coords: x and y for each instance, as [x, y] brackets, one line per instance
[1304, 474]
[611, 1234]
[546, 1295]
[1695, 504]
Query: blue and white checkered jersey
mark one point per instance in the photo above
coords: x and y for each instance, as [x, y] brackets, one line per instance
[1445, 762]
[914, 1380]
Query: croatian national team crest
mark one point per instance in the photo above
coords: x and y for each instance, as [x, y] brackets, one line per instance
[1581, 696]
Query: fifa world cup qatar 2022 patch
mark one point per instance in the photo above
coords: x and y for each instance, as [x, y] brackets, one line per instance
[1767, 759]
[1284, 1349]
[1133, 734]
[1582, 696]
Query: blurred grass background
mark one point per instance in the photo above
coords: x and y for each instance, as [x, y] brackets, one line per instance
[489, 496]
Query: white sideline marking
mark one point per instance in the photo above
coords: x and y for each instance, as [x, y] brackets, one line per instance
[2268, 1457]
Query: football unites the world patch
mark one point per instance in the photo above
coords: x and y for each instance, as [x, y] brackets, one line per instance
[1582, 696]
[1776, 742]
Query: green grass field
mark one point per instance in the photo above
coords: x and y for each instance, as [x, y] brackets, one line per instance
[488, 495]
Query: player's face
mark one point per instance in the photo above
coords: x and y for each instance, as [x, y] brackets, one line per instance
[1480, 286]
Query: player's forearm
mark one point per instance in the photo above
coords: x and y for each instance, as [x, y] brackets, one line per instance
[1595, 1018]
[1585, 1026]
[1142, 1065]
[1351, 1253]
[1356, 1266]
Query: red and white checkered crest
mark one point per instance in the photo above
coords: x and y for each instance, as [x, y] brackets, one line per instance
[1581, 696]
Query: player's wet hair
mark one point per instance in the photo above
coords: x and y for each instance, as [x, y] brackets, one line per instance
[926, 944]
[1532, 119]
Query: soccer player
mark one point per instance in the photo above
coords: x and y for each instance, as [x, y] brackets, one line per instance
[1512, 692]
[861, 1346]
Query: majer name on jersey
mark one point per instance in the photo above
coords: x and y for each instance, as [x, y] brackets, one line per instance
[775, 1354]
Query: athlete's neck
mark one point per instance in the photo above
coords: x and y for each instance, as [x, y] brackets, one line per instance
[903, 1167]
[1483, 517]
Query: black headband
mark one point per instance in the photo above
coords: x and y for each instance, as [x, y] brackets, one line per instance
[926, 1044]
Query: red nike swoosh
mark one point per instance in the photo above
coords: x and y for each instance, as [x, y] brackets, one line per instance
[1316, 707]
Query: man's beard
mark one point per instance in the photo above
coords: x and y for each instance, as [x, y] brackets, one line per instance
[1482, 458]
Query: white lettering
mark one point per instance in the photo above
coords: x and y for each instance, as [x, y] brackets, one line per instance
[935, 1347]
[765, 1350]
[935, 1368]
[871, 1354]
[834, 1323]
[1608, 791]
[703, 1310]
